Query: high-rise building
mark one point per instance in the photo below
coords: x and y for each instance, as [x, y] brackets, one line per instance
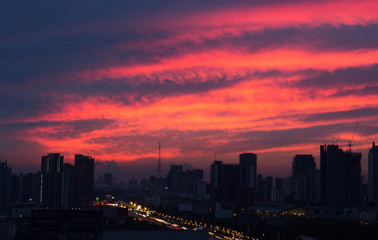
[85, 165]
[173, 178]
[304, 176]
[277, 192]
[288, 190]
[373, 175]
[52, 181]
[15, 189]
[200, 188]
[268, 188]
[5, 188]
[31, 187]
[322, 196]
[247, 179]
[188, 178]
[248, 169]
[343, 186]
[353, 178]
[224, 185]
[336, 187]
[53, 162]
[262, 191]
[73, 187]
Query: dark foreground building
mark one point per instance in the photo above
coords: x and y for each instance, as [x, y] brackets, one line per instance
[373, 175]
[233, 185]
[52, 181]
[304, 176]
[61, 224]
[340, 178]
[85, 166]
[5, 188]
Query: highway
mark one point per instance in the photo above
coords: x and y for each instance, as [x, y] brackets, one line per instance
[141, 213]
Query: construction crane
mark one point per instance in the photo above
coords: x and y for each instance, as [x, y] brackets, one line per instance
[351, 140]
[333, 135]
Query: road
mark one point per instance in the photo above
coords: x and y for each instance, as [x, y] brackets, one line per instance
[215, 232]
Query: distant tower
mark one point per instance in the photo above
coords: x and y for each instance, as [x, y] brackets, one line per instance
[159, 163]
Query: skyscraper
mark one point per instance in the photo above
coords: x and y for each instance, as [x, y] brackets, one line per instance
[322, 196]
[247, 179]
[353, 178]
[373, 175]
[5, 188]
[248, 169]
[52, 181]
[73, 187]
[31, 187]
[303, 174]
[53, 162]
[85, 164]
[343, 186]
[224, 185]
[188, 178]
[173, 178]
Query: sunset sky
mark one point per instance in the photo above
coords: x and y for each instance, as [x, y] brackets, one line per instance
[111, 79]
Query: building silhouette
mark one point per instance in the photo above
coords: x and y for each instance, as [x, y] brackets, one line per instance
[85, 165]
[173, 178]
[188, 178]
[233, 186]
[16, 188]
[304, 176]
[5, 188]
[343, 182]
[322, 196]
[178, 180]
[52, 181]
[53, 162]
[224, 181]
[247, 179]
[373, 175]
[31, 187]
[262, 191]
[353, 178]
[73, 187]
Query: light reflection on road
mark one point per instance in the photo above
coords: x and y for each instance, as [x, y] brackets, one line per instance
[141, 213]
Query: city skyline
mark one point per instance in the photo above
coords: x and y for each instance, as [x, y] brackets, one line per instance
[113, 79]
[123, 174]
